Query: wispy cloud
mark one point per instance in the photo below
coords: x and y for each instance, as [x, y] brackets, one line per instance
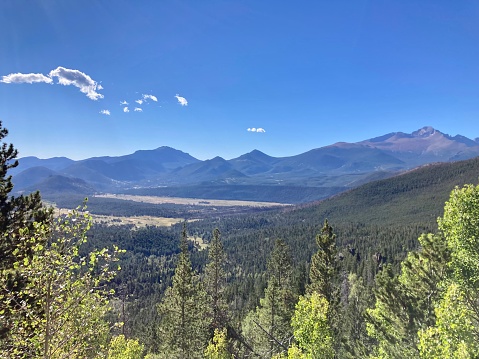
[254, 129]
[181, 100]
[64, 76]
[151, 97]
[19, 78]
[145, 98]
[125, 109]
[78, 79]
[105, 112]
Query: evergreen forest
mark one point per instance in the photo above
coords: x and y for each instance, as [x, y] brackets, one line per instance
[387, 270]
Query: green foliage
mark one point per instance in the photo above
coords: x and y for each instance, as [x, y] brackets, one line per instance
[215, 282]
[405, 303]
[455, 333]
[183, 310]
[311, 329]
[324, 278]
[17, 214]
[460, 225]
[64, 299]
[388, 321]
[431, 309]
[324, 264]
[268, 329]
[122, 348]
[355, 341]
[218, 346]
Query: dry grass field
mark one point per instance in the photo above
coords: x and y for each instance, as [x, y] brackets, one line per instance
[138, 221]
[199, 243]
[189, 201]
[141, 221]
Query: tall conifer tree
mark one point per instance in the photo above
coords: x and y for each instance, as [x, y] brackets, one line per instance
[215, 281]
[15, 212]
[324, 272]
[324, 278]
[268, 328]
[405, 302]
[183, 327]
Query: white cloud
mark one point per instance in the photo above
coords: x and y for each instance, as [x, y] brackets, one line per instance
[254, 129]
[125, 109]
[65, 77]
[123, 103]
[78, 79]
[19, 78]
[137, 109]
[181, 100]
[151, 97]
[105, 112]
[139, 102]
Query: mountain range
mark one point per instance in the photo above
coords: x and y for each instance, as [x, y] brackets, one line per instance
[313, 175]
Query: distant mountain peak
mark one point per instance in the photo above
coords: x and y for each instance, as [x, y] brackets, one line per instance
[426, 131]
[165, 148]
[216, 159]
[256, 154]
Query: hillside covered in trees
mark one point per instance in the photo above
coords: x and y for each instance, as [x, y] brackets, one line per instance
[371, 273]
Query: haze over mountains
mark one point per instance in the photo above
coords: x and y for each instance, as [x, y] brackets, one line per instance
[312, 175]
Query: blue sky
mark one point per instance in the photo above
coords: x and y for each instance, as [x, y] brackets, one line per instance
[306, 73]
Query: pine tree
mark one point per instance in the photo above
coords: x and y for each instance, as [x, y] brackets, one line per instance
[356, 342]
[323, 273]
[215, 282]
[183, 329]
[324, 278]
[405, 302]
[16, 214]
[268, 328]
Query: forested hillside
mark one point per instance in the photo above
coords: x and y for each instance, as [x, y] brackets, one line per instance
[370, 273]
